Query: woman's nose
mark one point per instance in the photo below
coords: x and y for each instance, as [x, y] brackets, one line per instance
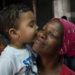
[41, 35]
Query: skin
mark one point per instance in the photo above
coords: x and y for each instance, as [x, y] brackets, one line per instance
[25, 32]
[1, 47]
[47, 46]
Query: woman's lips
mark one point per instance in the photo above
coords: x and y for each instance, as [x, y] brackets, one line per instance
[39, 41]
[37, 44]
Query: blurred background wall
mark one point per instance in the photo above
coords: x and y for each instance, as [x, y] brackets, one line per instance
[47, 9]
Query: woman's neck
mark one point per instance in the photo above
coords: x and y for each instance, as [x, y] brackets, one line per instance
[48, 63]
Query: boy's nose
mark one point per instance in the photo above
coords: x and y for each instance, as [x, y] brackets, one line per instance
[37, 27]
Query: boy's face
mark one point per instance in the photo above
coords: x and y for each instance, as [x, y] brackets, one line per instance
[27, 27]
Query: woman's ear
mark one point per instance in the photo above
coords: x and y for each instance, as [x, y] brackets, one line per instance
[13, 33]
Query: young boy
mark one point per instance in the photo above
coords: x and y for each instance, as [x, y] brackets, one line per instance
[17, 24]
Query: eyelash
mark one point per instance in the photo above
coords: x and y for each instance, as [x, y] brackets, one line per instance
[52, 35]
[31, 25]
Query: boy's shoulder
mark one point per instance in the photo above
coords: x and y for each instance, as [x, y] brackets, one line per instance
[14, 55]
[7, 55]
[7, 51]
[12, 52]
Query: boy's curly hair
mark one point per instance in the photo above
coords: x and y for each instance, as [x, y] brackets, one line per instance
[9, 17]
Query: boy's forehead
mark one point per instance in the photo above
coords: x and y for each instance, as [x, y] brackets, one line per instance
[27, 16]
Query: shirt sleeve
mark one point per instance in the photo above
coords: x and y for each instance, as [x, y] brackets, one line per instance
[6, 67]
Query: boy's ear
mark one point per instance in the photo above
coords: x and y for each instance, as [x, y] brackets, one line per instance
[13, 33]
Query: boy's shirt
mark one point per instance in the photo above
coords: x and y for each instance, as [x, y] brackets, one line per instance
[17, 62]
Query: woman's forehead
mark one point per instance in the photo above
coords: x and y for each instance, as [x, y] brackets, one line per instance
[54, 25]
[54, 28]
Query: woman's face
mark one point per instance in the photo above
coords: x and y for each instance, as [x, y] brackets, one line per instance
[49, 39]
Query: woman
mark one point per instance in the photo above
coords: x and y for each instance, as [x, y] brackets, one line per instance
[49, 45]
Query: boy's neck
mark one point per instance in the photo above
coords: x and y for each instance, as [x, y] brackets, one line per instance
[16, 45]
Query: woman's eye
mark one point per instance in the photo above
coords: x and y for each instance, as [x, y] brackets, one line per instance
[51, 35]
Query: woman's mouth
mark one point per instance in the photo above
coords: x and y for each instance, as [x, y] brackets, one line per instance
[39, 41]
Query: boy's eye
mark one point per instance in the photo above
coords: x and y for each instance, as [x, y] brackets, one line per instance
[32, 24]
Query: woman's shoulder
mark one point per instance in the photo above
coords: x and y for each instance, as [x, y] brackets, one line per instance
[66, 70]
